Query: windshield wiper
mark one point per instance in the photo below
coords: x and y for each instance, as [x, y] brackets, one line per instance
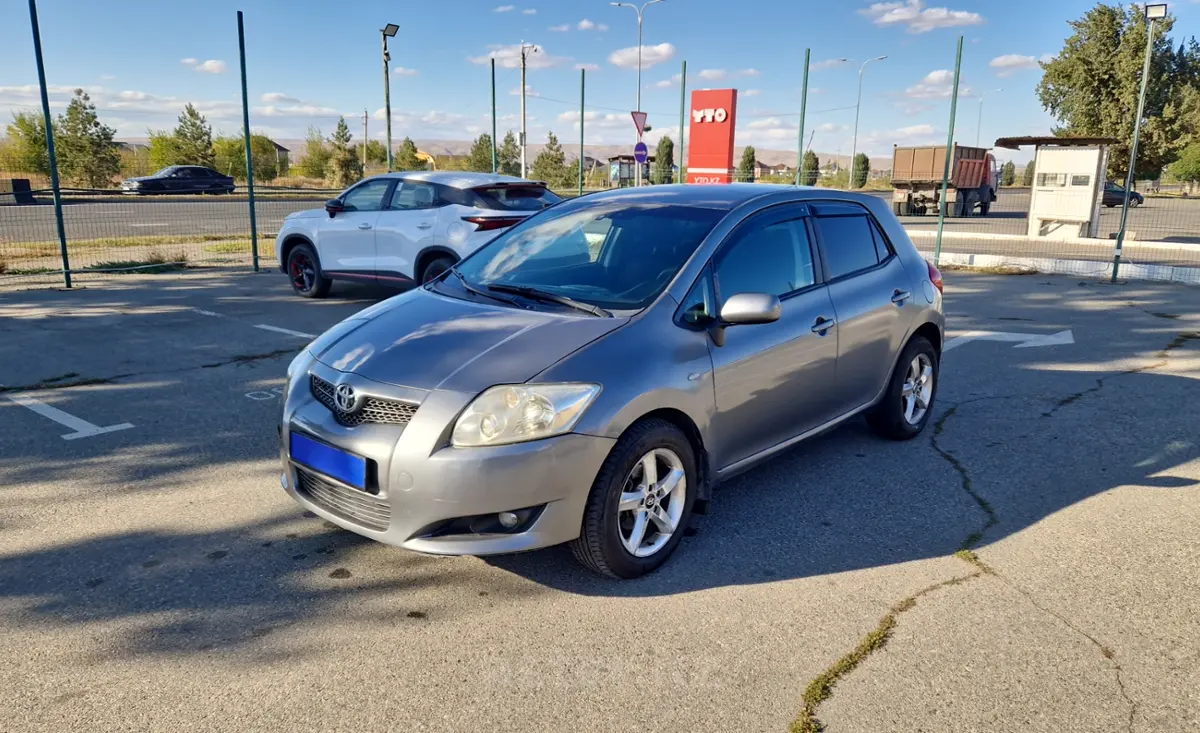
[535, 294]
[481, 293]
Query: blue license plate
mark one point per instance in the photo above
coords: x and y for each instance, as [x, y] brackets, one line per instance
[338, 464]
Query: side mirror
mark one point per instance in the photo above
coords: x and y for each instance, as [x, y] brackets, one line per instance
[746, 309]
[334, 206]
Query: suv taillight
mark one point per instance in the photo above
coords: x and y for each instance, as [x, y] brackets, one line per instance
[935, 277]
[488, 223]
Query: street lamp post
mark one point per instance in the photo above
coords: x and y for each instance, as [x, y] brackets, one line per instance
[388, 31]
[979, 125]
[526, 49]
[1153, 13]
[640, 11]
[857, 108]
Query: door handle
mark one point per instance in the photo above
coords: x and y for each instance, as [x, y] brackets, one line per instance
[823, 324]
[900, 296]
[424, 225]
[364, 225]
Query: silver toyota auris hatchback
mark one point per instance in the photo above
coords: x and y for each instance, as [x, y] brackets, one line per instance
[590, 374]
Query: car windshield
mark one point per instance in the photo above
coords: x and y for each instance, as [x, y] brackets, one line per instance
[518, 198]
[617, 256]
[166, 171]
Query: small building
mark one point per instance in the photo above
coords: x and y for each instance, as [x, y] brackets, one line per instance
[283, 158]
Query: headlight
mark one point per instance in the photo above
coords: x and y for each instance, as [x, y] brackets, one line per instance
[299, 364]
[520, 412]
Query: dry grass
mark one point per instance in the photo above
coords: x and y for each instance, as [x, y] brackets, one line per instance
[154, 262]
[298, 182]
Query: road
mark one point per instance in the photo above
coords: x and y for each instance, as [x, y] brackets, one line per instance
[154, 576]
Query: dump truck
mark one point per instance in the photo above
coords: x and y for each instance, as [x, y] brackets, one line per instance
[917, 180]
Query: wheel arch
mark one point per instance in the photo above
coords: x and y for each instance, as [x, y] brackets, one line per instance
[691, 431]
[290, 242]
[932, 334]
[429, 254]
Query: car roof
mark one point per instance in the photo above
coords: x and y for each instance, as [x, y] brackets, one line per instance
[724, 197]
[457, 179]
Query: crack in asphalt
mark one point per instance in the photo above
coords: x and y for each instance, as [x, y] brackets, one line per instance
[964, 476]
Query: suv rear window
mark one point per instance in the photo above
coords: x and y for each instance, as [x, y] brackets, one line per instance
[517, 198]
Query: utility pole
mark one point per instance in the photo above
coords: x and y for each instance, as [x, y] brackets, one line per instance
[530, 49]
[857, 109]
[979, 124]
[937, 247]
[803, 112]
[364, 141]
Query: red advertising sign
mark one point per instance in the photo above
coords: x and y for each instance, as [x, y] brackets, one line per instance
[710, 133]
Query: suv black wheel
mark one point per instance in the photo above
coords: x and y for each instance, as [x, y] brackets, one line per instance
[435, 268]
[908, 402]
[304, 272]
[640, 503]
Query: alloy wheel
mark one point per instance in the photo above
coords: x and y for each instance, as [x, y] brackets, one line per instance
[652, 501]
[303, 273]
[918, 389]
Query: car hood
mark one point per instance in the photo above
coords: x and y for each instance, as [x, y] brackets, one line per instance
[428, 341]
[307, 214]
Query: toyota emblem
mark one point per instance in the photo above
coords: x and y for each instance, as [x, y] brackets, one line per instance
[345, 398]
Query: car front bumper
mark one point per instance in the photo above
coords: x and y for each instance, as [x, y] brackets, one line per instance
[422, 482]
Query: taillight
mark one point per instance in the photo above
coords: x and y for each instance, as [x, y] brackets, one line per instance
[488, 223]
[935, 277]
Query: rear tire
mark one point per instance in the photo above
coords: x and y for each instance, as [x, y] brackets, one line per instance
[435, 268]
[900, 415]
[1134, 203]
[608, 530]
[304, 272]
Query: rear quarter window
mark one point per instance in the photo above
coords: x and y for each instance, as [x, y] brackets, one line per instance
[517, 198]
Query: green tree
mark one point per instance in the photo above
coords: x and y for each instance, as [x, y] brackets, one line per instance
[1027, 174]
[87, 154]
[314, 162]
[164, 149]
[344, 164]
[406, 159]
[811, 166]
[551, 164]
[376, 153]
[508, 155]
[1091, 87]
[194, 136]
[25, 149]
[745, 169]
[1187, 168]
[664, 161]
[862, 170]
[230, 155]
[480, 157]
[1008, 174]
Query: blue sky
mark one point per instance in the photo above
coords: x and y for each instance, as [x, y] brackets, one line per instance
[310, 61]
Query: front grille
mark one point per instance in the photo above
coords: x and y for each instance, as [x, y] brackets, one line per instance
[373, 410]
[346, 502]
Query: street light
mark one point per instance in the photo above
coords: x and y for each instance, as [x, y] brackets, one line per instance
[1153, 13]
[640, 11]
[979, 126]
[388, 31]
[857, 107]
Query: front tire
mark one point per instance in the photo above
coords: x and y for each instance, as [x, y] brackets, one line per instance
[908, 402]
[640, 502]
[304, 272]
[434, 269]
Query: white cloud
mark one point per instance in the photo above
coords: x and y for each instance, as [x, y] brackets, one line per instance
[189, 61]
[587, 67]
[1010, 63]
[509, 57]
[107, 77]
[830, 127]
[504, 9]
[529, 11]
[529, 92]
[666, 83]
[751, 93]
[916, 18]
[560, 28]
[279, 98]
[404, 71]
[827, 64]
[212, 66]
[749, 72]
[911, 135]
[296, 110]
[712, 74]
[587, 25]
[765, 123]
[596, 120]
[627, 58]
[936, 85]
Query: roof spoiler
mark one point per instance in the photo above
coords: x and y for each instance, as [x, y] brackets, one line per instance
[505, 184]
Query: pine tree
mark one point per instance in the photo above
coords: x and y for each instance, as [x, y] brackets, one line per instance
[193, 137]
[314, 163]
[862, 170]
[344, 165]
[376, 152]
[745, 169]
[811, 169]
[664, 161]
[406, 159]
[1027, 175]
[508, 156]
[551, 164]
[1008, 174]
[480, 157]
[86, 152]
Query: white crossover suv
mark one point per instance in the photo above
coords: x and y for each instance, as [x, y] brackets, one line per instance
[402, 228]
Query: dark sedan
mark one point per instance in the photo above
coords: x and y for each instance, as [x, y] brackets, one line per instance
[180, 179]
[1114, 195]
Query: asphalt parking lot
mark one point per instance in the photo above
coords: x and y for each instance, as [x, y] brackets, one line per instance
[1027, 564]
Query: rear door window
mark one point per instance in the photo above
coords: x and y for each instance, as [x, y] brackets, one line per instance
[517, 198]
[849, 243]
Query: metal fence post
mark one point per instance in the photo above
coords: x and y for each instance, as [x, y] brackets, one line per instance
[582, 82]
[58, 216]
[249, 152]
[495, 169]
[1137, 133]
[937, 248]
[803, 110]
[682, 117]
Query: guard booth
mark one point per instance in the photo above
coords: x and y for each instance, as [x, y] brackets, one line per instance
[1068, 184]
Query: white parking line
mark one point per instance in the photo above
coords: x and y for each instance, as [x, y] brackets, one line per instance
[82, 428]
[289, 332]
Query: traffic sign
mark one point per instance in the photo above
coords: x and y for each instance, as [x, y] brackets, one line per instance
[639, 121]
[640, 153]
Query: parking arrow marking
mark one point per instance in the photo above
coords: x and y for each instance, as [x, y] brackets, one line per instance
[1020, 340]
